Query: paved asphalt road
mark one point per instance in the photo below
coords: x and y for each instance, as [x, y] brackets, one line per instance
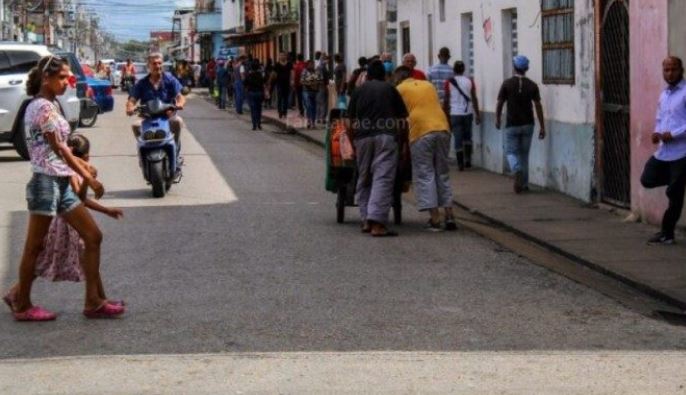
[244, 256]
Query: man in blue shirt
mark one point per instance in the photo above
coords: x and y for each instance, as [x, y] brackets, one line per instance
[157, 84]
[668, 165]
[441, 72]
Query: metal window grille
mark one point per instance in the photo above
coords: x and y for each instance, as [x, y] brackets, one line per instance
[558, 41]
[468, 42]
[515, 37]
[441, 10]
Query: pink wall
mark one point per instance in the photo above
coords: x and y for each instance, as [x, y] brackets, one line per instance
[649, 46]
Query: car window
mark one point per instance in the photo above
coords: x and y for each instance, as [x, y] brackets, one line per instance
[18, 62]
[4, 63]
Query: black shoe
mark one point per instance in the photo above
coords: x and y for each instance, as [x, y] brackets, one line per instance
[661, 239]
[460, 160]
[518, 181]
[468, 156]
[450, 224]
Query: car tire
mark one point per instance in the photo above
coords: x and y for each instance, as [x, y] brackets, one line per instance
[88, 122]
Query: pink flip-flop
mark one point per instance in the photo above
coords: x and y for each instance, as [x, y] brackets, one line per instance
[116, 302]
[35, 313]
[106, 310]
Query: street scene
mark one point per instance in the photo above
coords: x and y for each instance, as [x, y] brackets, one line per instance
[342, 197]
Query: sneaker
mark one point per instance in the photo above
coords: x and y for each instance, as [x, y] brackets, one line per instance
[450, 225]
[433, 227]
[661, 239]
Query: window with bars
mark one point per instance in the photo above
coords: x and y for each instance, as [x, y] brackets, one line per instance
[558, 41]
[468, 42]
[310, 27]
[303, 28]
[441, 10]
[330, 27]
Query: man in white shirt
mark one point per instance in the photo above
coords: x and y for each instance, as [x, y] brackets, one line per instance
[462, 107]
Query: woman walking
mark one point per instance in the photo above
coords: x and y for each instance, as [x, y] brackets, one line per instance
[254, 85]
[49, 194]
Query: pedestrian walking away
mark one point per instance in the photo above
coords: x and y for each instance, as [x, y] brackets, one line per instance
[667, 167]
[520, 94]
[441, 72]
[255, 88]
[377, 114]
[239, 73]
[429, 141]
[49, 194]
[211, 73]
[323, 95]
[339, 73]
[462, 106]
[298, 69]
[359, 74]
[283, 78]
[222, 84]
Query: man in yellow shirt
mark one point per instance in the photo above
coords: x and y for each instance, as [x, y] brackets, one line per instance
[429, 147]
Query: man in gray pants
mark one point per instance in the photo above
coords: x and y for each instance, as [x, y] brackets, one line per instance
[429, 144]
[377, 114]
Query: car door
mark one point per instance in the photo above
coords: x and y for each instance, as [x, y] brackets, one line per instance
[13, 82]
[14, 67]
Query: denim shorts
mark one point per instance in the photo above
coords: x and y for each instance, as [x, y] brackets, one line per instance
[50, 195]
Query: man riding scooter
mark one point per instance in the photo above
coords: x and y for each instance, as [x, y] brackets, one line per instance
[157, 85]
[128, 76]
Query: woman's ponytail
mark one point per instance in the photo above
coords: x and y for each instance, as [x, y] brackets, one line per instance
[34, 82]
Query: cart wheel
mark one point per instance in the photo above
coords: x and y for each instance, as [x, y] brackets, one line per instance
[340, 205]
[398, 210]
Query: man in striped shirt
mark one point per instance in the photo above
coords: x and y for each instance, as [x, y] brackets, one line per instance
[441, 72]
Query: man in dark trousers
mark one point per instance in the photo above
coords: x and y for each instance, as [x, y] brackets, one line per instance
[520, 94]
[668, 165]
[377, 115]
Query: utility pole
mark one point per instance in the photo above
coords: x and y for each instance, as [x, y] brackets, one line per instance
[46, 22]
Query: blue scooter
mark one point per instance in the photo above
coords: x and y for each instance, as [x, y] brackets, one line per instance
[158, 152]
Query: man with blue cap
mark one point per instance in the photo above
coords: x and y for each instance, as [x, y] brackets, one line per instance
[521, 95]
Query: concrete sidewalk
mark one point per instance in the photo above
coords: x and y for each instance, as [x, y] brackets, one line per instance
[591, 236]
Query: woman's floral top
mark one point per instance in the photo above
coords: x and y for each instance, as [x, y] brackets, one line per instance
[43, 117]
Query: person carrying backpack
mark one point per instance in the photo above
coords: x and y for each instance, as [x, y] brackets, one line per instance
[462, 106]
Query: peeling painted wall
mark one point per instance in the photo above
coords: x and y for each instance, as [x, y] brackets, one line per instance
[565, 161]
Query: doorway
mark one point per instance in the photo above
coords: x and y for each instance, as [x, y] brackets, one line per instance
[615, 133]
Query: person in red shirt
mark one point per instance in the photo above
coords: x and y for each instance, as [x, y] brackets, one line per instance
[211, 73]
[410, 61]
[298, 69]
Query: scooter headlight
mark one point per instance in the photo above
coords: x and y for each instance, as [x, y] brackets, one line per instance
[149, 135]
[160, 134]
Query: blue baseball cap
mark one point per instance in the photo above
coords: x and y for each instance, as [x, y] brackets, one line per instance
[521, 62]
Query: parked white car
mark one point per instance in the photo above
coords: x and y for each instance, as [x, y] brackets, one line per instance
[16, 60]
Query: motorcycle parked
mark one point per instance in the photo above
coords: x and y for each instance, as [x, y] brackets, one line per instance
[158, 152]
